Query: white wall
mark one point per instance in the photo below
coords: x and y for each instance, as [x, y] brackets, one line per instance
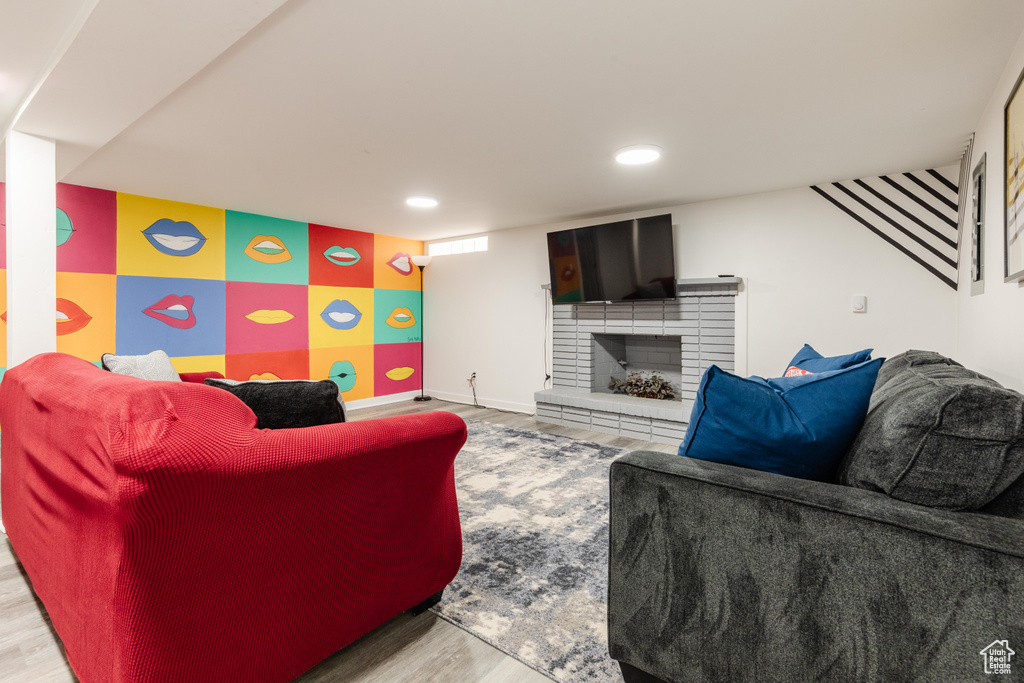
[802, 260]
[991, 325]
[802, 257]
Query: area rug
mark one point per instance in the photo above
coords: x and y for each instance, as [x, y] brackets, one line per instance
[534, 576]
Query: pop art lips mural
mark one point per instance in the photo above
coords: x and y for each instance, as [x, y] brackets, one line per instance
[70, 317]
[175, 238]
[401, 263]
[174, 311]
[270, 317]
[398, 374]
[401, 318]
[343, 373]
[64, 227]
[267, 249]
[341, 315]
[342, 256]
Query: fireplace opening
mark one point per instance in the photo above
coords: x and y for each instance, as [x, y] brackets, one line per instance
[619, 355]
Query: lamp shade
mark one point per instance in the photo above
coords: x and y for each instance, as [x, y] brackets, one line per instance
[420, 261]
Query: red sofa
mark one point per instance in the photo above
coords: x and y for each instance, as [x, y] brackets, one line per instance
[170, 540]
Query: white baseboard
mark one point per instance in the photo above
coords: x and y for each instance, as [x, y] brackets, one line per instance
[380, 400]
[528, 408]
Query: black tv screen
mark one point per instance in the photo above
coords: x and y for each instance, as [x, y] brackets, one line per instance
[622, 261]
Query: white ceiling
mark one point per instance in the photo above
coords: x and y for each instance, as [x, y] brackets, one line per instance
[508, 113]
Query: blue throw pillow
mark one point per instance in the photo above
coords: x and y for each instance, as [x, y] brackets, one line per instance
[808, 360]
[796, 426]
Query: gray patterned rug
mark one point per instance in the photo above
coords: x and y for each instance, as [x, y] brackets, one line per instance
[534, 576]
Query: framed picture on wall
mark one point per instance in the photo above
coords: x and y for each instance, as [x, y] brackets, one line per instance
[1013, 188]
[977, 222]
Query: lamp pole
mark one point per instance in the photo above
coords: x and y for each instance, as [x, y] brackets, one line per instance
[421, 262]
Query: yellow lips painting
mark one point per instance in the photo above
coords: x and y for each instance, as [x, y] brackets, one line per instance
[398, 374]
[270, 317]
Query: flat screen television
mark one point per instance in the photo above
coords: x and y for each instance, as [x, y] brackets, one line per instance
[622, 261]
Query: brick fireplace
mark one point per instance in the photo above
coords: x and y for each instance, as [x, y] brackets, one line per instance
[679, 339]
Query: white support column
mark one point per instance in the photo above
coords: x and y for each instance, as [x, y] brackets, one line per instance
[31, 246]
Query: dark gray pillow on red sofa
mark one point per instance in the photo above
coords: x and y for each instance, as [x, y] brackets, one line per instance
[284, 404]
[937, 434]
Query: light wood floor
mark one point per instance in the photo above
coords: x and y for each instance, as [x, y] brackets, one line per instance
[407, 649]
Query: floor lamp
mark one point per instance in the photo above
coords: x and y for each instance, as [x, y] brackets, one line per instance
[421, 262]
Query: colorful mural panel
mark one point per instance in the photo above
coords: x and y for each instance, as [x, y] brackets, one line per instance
[350, 367]
[198, 364]
[86, 230]
[396, 368]
[266, 317]
[273, 365]
[263, 249]
[340, 258]
[160, 238]
[340, 316]
[392, 267]
[182, 316]
[86, 314]
[397, 316]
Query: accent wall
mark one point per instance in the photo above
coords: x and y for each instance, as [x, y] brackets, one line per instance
[247, 295]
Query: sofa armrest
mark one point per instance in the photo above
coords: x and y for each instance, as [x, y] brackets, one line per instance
[721, 573]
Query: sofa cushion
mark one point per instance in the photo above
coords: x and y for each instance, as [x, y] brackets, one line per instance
[155, 365]
[937, 434]
[809, 360]
[284, 403]
[796, 426]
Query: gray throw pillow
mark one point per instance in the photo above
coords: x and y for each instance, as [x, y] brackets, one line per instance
[155, 366]
[288, 403]
[937, 434]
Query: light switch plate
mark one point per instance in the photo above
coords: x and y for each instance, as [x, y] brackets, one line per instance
[858, 303]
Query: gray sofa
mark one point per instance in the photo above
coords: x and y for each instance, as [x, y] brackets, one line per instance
[719, 573]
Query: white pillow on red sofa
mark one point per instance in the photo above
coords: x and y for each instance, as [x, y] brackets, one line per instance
[155, 366]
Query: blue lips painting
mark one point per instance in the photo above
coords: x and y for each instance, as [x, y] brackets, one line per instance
[341, 315]
[175, 238]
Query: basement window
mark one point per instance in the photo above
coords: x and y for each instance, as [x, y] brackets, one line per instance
[457, 246]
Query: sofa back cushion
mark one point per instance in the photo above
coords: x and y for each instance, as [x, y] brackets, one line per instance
[937, 434]
[287, 404]
[1009, 503]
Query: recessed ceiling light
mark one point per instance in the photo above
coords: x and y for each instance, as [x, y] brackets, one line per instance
[638, 154]
[422, 202]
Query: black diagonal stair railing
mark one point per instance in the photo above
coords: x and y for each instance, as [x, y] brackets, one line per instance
[914, 212]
